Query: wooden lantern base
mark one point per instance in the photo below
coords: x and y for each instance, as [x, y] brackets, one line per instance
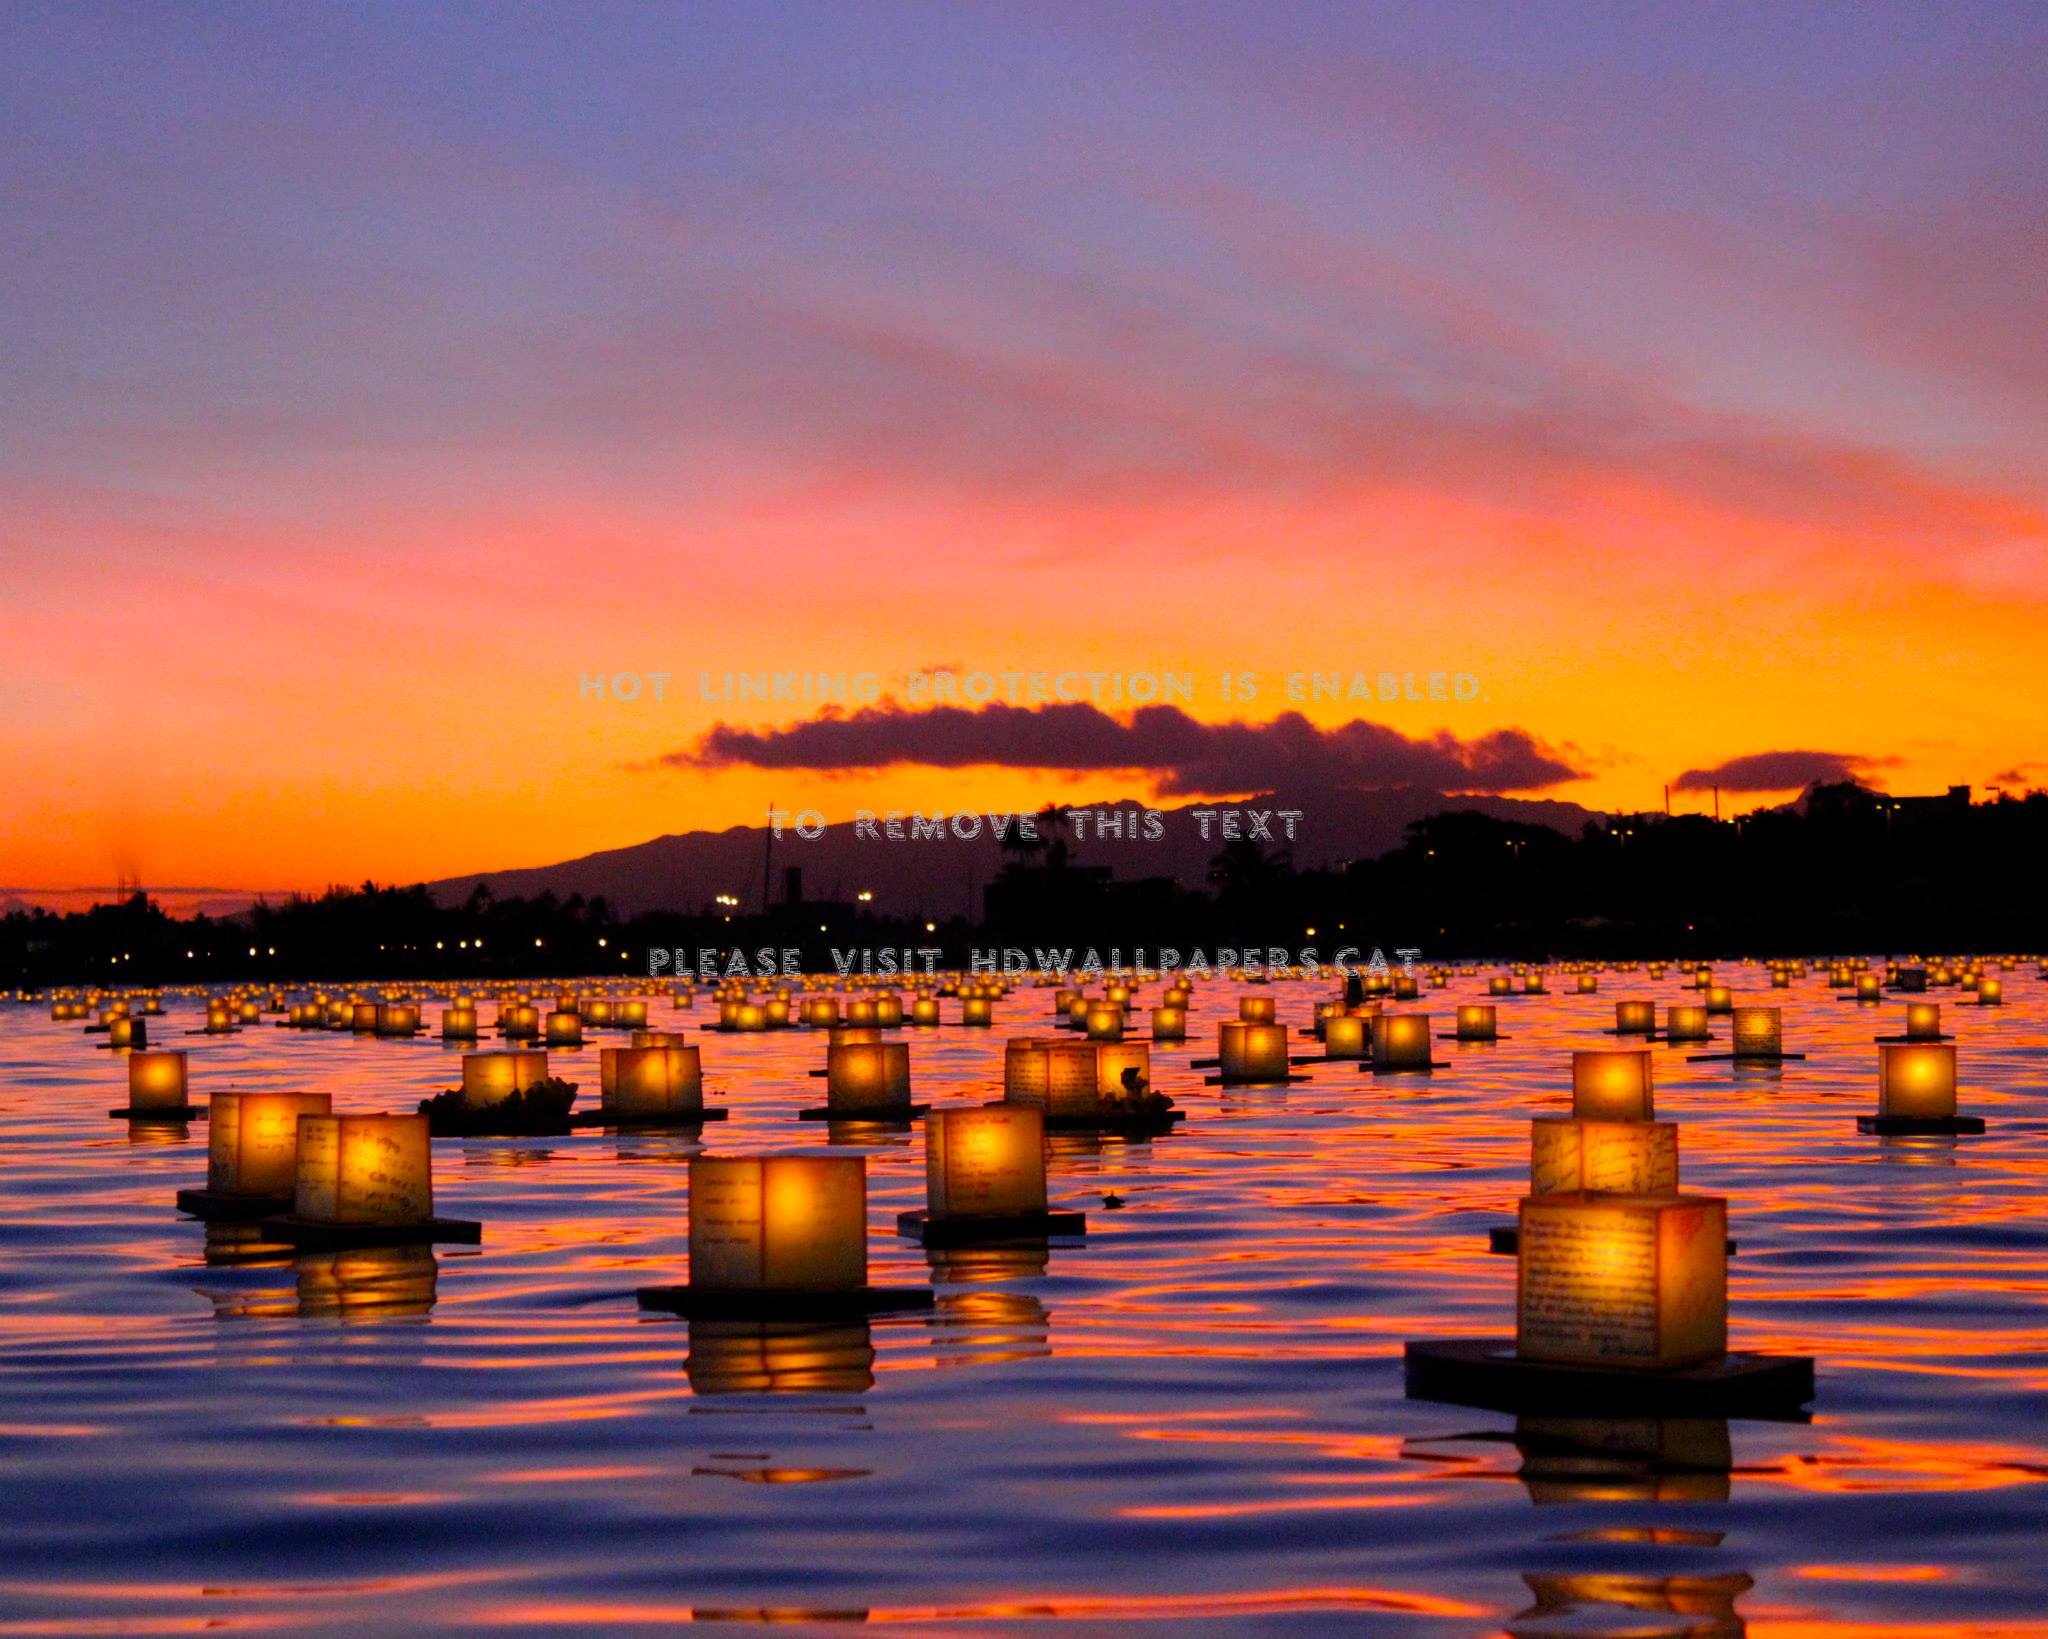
[222, 1206]
[1506, 1240]
[173, 1112]
[1486, 1372]
[1147, 1124]
[688, 1118]
[1742, 1058]
[784, 1303]
[1372, 1069]
[898, 1115]
[1476, 1041]
[1265, 1081]
[969, 1231]
[304, 1232]
[1913, 1039]
[1919, 1126]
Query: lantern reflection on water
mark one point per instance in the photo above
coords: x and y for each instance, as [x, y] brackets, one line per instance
[1612, 1084]
[780, 1357]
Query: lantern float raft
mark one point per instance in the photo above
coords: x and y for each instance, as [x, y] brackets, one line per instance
[779, 1237]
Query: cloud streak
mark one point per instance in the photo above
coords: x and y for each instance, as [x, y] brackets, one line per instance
[1183, 756]
[1780, 771]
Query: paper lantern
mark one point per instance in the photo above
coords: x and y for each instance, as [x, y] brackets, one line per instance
[985, 1163]
[778, 1223]
[1612, 1084]
[924, 1010]
[1255, 1009]
[861, 1011]
[364, 1169]
[522, 1023]
[128, 1032]
[1635, 1018]
[1250, 1052]
[1176, 996]
[1781, 979]
[1347, 1035]
[1533, 985]
[1720, 1000]
[1685, 1023]
[658, 1038]
[655, 1082]
[1105, 1023]
[1923, 1021]
[1867, 988]
[362, 1018]
[1400, 1041]
[1758, 1032]
[598, 1010]
[219, 1022]
[397, 1019]
[565, 1029]
[1477, 1022]
[1622, 1280]
[979, 1011]
[1500, 985]
[249, 1012]
[1568, 1156]
[1990, 993]
[1916, 1079]
[865, 1077]
[629, 1015]
[458, 1024]
[252, 1140]
[1587, 984]
[752, 1017]
[491, 1078]
[1060, 1078]
[156, 1081]
[1113, 1058]
[1169, 1023]
[1910, 978]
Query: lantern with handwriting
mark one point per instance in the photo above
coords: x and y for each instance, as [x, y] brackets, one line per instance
[491, 1078]
[1633, 1281]
[1683, 1023]
[1612, 1084]
[253, 1141]
[987, 1162]
[1059, 1078]
[1571, 1156]
[867, 1078]
[1251, 1052]
[783, 1223]
[364, 1170]
[1477, 1022]
[156, 1084]
[1758, 1032]
[655, 1083]
[1400, 1041]
[1635, 1018]
[1118, 1064]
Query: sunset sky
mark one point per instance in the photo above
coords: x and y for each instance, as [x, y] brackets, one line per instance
[371, 373]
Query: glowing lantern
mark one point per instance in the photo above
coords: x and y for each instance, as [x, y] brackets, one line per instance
[565, 1029]
[397, 1019]
[867, 1077]
[1923, 1021]
[1176, 996]
[1113, 1059]
[250, 1012]
[1500, 985]
[1059, 1078]
[1612, 1084]
[630, 1015]
[1400, 1041]
[1623, 1280]
[128, 1032]
[1587, 984]
[156, 1083]
[252, 1140]
[458, 1024]
[1685, 1023]
[1758, 1032]
[986, 1163]
[364, 1169]
[1476, 1022]
[861, 1011]
[1255, 1009]
[1169, 1023]
[1105, 1023]
[1916, 1080]
[1251, 1052]
[219, 1022]
[491, 1078]
[1569, 1156]
[1635, 1018]
[1781, 979]
[889, 1010]
[1719, 999]
[1867, 987]
[1533, 985]
[821, 1010]
[1990, 993]
[655, 1083]
[753, 1016]
[924, 1010]
[1347, 1035]
[979, 1011]
[778, 1223]
[598, 1010]
[521, 1023]
[363, 1018]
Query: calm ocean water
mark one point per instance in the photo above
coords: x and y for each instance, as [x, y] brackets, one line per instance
[1192, 1423]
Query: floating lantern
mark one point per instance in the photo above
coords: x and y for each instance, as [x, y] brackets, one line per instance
[219, 1022]
[1532, 985]
[1758, 1032]
[751, 1017]
[1400, 1041]
[655, 1083]
[1635, 1018]
[1916, 1080]
[1169, 1023]
[1105, 1023]
[1477, 1022]
[1990, 993]
[491, 1078]
[521, 1023]
[249, 1012]
[1113, 1059]
[1057, 1077]
[778, 1223]
[1638, 1281]
[1612, 1084]
[458, 1024]
[1176, 996]
[629, 1015]
[985, 1163]
[1405, 988]
[1569, 1156]
[978, 1011]
[1719, 999]
[924, 1010]
[364, 1170]
[1923, 1021]
[252, 1141]
[1780, 979]
[1911, 978]
[156, 1084]
[1255, 1009]
[398, 1019]
[1683, 1023]
[1251, 1052]
[598, 1011]
[1500, 985]
[362, 1018]
[565, 1029]
[861, 1011]
[867, 1078]
[1347, 1035]
[1587, 984]
[889, 1010]
[128, 1032]
[821, 1010]
[1867, 987]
